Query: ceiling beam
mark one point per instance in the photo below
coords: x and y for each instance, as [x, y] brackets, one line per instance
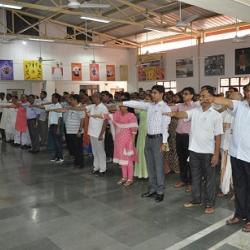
[106, 36]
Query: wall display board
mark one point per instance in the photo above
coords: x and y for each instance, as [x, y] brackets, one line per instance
[33, 70]
[150, 67]
[94, 72]
[242, 61]
[6, 70]
[184, 68]
[76, 71]
[57, 71]
[110, 72]
[215, 65]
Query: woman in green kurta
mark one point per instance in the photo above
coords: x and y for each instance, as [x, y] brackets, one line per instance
[141, 165]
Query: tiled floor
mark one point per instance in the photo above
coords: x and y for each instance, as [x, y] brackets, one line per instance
[47, 207]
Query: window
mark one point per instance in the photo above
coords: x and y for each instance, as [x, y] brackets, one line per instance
[168, 85]
[237, 82]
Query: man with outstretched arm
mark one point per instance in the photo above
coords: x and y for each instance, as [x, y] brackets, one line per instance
[156, 140]
[240, 155]
[204, 147]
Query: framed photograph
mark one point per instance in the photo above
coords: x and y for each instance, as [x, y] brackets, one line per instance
[57, 71]
[94, 72]
[184, 68]
[242, 61]
[76, 71]
[6, 70]
[215, 65]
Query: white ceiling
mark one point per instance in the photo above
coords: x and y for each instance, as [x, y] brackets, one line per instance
[239, 9]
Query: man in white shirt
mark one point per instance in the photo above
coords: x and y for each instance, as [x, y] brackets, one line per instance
[156, 140]
[204, 147]
[43, 121]
[240, 155]
[55, 127]
[2, 102]
[96, 131]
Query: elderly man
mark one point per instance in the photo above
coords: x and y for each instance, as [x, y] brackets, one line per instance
[240, 155]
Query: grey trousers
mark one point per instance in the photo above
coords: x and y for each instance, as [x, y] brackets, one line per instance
[154, 159]
[43, 132]
[34, 134]
[200, 165]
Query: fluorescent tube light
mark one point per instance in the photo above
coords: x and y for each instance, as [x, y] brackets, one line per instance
[155, 29]
[96, 44]
[96, 19]
[10, 6]
[41, 40]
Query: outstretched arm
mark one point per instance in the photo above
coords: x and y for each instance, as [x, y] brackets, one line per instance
[178, 115]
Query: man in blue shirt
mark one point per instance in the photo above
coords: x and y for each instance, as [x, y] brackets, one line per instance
[33, 114]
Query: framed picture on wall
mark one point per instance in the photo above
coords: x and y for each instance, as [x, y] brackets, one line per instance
[184, 68]
[6, 70]
[242, 61]
[215, 65]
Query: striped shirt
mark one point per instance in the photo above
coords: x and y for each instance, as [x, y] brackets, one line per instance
[157, 123]
[73, 121]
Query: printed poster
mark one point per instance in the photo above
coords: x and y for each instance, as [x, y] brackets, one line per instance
[57, 71]
[242, 61]
[151, 71]
[32, 70]
[110, 72]
[6, 70]
[184, 68]
[94, 72]
[76, 69]
[123, 72]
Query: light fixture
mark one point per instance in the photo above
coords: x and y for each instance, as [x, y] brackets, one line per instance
[96, 19]
[96, 44]
[24, 42]
[41, 40]
[155, 29]
[10, 6]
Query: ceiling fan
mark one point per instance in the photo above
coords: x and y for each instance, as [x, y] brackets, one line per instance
[40, 58]
[75, 4]
[184, 23]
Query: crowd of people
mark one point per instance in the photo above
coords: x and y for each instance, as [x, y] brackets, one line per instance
[149, 134]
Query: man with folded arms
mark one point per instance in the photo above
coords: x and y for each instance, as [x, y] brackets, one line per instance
[240, 155]
[204, 147]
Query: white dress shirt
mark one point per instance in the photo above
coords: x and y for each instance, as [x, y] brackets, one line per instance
[226, 137]
[53, 116]
[2, 102]
[204, 127]
[157, 123]
[95, 124]
[240, 144]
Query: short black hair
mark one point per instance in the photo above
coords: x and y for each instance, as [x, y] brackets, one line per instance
[57, 96]
[159, 88]
[75, 97]
[105, 92]
[32, 96]
[44, 92]
[15, 97]
[190, 90]
[209, 88]
[126, 96]
[65, 93]
[246, 86]
[233, 88]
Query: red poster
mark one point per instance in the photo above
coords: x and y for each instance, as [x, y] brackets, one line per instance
[110, 72]
[94, 72]
[76, 69]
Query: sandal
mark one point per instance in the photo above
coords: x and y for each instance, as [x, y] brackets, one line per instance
[128, 183]
[233, 221]
[122, 181]
[246, 228]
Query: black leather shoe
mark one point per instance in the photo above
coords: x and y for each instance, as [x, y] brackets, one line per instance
[148, 195]
[102, 174]
[159, 197]
[95, 172]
